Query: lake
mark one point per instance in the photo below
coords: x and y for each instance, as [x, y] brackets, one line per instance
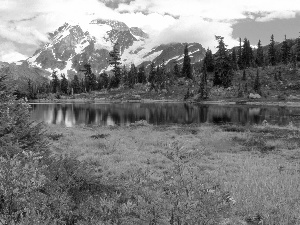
[161, 113]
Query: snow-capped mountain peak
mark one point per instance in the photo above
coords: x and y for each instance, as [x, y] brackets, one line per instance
[71, 46]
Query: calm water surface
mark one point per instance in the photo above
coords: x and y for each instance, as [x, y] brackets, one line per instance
[161, 113]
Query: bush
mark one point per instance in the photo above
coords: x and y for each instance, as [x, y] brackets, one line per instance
[36, 188]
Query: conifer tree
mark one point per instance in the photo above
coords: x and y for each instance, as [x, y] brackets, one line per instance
[132, 76]
[285, 51]
[17, 132]
[240, 60]
[272, 52]
[209, 61]
[247, 54]
[31, 90]
[76, 85]
[259, 55]
[257, 84]
[82, 85]
[152, 76]
[234, 59]
[203, 84]
[55, 82]
[64, 84]
[176, 70]
[223, 66]
[124, 76]
[162, 76]
[186, 66]
[87, 77]
[103, 81]
[115, 62]
[93, 82]
[141, 75]
[298, 49]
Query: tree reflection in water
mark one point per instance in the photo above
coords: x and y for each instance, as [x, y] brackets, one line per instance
[160, 113]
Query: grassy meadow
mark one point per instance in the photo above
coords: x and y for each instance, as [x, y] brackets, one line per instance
[254, 170]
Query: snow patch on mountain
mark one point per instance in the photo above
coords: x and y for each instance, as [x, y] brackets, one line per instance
[32, 61]
[62, 33]
[174, 58]
[80, 47]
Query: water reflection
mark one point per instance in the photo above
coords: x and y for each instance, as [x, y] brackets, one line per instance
[160, 113]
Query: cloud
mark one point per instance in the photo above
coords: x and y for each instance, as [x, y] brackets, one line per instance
[28, 22]
[8, 53]
[115, 3]
[213, 9]
[277, 15]
[196, 29]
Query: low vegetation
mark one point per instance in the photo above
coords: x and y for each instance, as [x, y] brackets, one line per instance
[144, 174]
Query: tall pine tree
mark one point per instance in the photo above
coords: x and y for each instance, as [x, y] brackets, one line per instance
[285, 51]
[259, 55]
[272, 52]
[124, 76]
[298, 49]
[176, 70]
[257, 85]
[141, 74]
[152, 76]
[247, 54]
[87, 77]
[132, 76]
[187, 67]
[203, 91]
[115, 63]
[55, 82]
[234, 59]
[75, 85]
[64, 84]
[223, 66]
[209, 61]
[240, 59]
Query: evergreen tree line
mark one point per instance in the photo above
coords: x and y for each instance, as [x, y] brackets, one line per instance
[159, 77]
[225, 61]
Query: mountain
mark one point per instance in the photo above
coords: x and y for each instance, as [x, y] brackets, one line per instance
[19, 73]
[70, 46]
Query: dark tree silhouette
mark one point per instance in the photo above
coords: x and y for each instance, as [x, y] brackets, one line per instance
[187, 67]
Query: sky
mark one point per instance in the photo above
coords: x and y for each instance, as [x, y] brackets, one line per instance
[24, 24]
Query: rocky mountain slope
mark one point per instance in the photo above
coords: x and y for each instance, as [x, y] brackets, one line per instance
[71, 46]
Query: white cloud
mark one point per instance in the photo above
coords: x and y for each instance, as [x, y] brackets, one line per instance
[213, 9]
[277, 15]
[12, 57]
[196, 29]
[8, 53]
[28, 22]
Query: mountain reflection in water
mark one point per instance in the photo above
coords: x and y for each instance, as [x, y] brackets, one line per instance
[160, 113]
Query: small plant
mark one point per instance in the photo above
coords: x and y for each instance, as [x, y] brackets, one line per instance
[55, 136]
[98, 136]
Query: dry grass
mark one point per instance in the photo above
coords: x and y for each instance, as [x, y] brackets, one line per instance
[264, 182]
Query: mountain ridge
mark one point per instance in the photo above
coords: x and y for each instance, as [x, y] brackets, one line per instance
[71, 46]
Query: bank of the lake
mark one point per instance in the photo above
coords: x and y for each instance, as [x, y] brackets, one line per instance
[261, 102]
[258, 166]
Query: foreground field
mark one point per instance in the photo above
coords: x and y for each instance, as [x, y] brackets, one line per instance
[255, 169]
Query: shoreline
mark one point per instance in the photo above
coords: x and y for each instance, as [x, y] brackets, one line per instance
[210, 102]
